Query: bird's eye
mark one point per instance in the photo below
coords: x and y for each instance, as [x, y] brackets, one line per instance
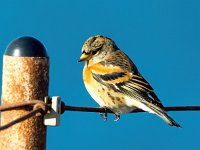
[94, 52]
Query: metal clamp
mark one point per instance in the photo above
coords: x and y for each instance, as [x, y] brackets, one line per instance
[52, 118]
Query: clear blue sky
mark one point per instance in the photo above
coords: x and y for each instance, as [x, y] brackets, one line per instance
[162, 37]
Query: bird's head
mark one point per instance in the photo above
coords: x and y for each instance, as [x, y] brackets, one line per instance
[96, 48]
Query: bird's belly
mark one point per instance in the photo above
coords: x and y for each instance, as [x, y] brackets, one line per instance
[94, 94]
[108, 98]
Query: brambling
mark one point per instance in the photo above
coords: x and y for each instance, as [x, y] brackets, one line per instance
[114, 81]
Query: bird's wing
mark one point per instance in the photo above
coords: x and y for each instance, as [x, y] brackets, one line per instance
[124, 77]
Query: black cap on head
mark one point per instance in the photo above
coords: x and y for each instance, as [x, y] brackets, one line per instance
[26, 47]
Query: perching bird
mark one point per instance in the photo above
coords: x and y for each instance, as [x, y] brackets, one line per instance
[114, 81]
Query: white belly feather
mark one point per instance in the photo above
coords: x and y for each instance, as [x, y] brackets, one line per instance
[94, 96]
[131, 102]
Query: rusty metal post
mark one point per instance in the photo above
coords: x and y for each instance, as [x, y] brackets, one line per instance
[25, 78]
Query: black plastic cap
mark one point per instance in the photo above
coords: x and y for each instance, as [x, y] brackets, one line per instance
[26, 47]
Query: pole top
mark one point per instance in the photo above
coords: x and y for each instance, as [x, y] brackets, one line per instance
[26, 47]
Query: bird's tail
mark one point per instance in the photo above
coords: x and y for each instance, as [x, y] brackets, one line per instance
[161, 113]
[168, 119]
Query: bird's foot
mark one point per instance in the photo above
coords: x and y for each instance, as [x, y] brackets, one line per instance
[117, 117]
[104, 114]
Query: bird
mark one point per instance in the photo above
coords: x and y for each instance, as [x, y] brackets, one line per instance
[114, 82]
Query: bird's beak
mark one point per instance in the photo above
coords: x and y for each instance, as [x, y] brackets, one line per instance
[83, 57]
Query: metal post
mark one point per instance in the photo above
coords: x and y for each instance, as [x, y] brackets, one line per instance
[25, 78]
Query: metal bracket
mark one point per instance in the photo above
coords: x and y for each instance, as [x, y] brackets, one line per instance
[52, 118]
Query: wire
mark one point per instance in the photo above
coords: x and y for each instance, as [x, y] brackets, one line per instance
[7, 107]
[30, 114]
[102, 110]
[38, 106]
[43, 107]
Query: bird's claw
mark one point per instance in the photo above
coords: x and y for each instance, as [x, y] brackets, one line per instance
[104, 115]
[117, 117]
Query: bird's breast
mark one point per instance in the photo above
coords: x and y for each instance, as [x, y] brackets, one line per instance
[93, 87]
